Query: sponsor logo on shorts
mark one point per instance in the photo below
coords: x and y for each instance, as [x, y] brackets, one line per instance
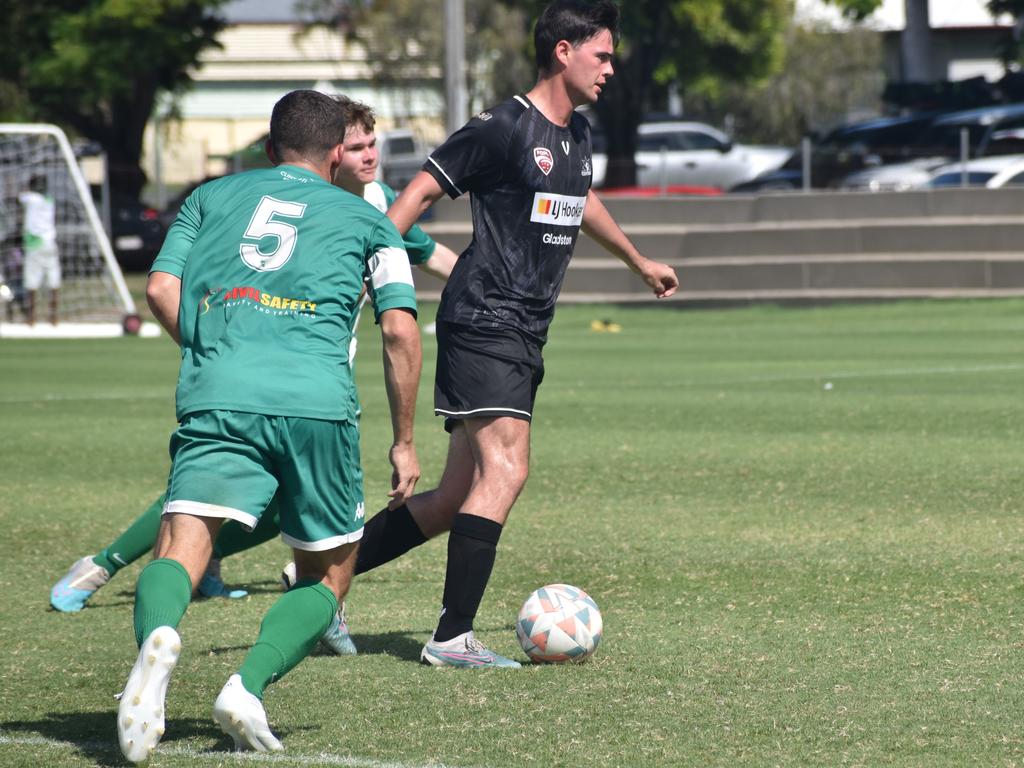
[247, 296]
[560, 210]
[550, 239]
[360, 511]
[587, 170]
[544, 159]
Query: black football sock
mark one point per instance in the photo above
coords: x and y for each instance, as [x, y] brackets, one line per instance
[472, 545]
[389, 534]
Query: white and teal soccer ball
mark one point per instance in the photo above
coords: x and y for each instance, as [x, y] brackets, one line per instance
[559, 623]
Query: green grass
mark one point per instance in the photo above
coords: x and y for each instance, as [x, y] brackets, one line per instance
[790, 574]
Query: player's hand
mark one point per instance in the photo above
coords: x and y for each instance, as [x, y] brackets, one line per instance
[660, 277]
[405, 474]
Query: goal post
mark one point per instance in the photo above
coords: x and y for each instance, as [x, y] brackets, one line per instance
[37, 164]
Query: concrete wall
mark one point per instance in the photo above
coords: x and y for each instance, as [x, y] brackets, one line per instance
[795, 247]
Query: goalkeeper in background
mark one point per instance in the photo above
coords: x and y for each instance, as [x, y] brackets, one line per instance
[39, 237]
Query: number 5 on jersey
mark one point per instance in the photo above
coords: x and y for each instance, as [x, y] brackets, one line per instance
[264, 225]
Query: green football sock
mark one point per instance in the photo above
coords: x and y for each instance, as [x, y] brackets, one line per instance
[289, 631]
[233, 538]
[136, 541]
[162, 595]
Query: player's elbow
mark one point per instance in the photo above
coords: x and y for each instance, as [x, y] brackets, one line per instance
[399, 329]
[160, 288]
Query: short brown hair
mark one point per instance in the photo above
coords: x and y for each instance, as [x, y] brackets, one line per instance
[306, 123]
[357, 113]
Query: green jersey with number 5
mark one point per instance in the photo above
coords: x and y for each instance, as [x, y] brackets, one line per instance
[272, 262]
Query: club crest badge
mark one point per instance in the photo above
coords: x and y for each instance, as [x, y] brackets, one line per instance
[543, 158]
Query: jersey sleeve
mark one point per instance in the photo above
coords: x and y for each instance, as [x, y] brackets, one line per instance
[418, 244]
[389, 280]
[474, 156]
[180, 237]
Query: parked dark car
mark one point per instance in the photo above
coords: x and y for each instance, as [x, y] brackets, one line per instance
[847, 149]
[990, 132]
[170, 211]
[136, 233]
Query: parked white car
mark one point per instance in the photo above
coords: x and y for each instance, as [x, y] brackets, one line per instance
[696, 155]
[990, 172]
[896, 177]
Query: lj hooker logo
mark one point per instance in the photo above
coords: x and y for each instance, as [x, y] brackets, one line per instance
[268, 303]
[560, 210]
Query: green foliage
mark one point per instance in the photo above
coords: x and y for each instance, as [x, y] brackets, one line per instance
[698, 44]
[857, 9]
[825, 77]
[404, 41]
[789, 575]
[96, 67]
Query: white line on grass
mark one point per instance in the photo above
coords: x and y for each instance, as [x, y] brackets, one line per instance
[272, 758]
[50, 397]
[883, 373]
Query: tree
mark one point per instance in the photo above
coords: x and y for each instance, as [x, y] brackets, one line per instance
[97, 66]
[827, 75]
[404, 43]
[695, 44]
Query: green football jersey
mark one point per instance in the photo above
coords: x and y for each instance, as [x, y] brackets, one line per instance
[272, 262]
[418, 244]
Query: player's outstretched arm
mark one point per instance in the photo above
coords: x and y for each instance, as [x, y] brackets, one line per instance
[421, 193]
[163, 294]
[403, 359]
[441, 262]
[599, 224]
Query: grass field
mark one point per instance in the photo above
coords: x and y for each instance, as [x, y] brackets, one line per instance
[803, 527]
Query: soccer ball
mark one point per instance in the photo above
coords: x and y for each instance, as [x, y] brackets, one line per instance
[559, 623]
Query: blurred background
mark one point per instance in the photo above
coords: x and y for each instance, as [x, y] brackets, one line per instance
[711, 99]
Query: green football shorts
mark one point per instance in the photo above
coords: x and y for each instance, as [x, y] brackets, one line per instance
[230, 464]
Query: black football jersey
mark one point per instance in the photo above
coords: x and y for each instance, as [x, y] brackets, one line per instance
[528, 181]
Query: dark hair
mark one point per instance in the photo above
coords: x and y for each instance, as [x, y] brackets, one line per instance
[574, 21]
[306, 123]
[357, 113]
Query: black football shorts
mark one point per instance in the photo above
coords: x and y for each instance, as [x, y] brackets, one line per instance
[485, 372]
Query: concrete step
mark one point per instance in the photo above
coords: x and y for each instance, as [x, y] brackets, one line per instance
[814, 277]
[946, 234]
[818, 205]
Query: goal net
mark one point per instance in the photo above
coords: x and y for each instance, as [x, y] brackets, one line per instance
[50, 234]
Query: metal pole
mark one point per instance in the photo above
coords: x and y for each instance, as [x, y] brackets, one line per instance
[663, 175]
[158, 162]
[805, 151]
[105, 194]
[965, 154]
[454, 64]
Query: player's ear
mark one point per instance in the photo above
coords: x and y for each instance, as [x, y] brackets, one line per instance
[335, 156]
[269, 149]
[560, 55]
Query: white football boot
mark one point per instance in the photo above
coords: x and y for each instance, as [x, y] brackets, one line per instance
[140, 716]
[242, 717]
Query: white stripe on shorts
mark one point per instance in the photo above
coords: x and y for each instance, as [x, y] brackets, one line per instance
[323, 544]
[201, 509]
[481, 410]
